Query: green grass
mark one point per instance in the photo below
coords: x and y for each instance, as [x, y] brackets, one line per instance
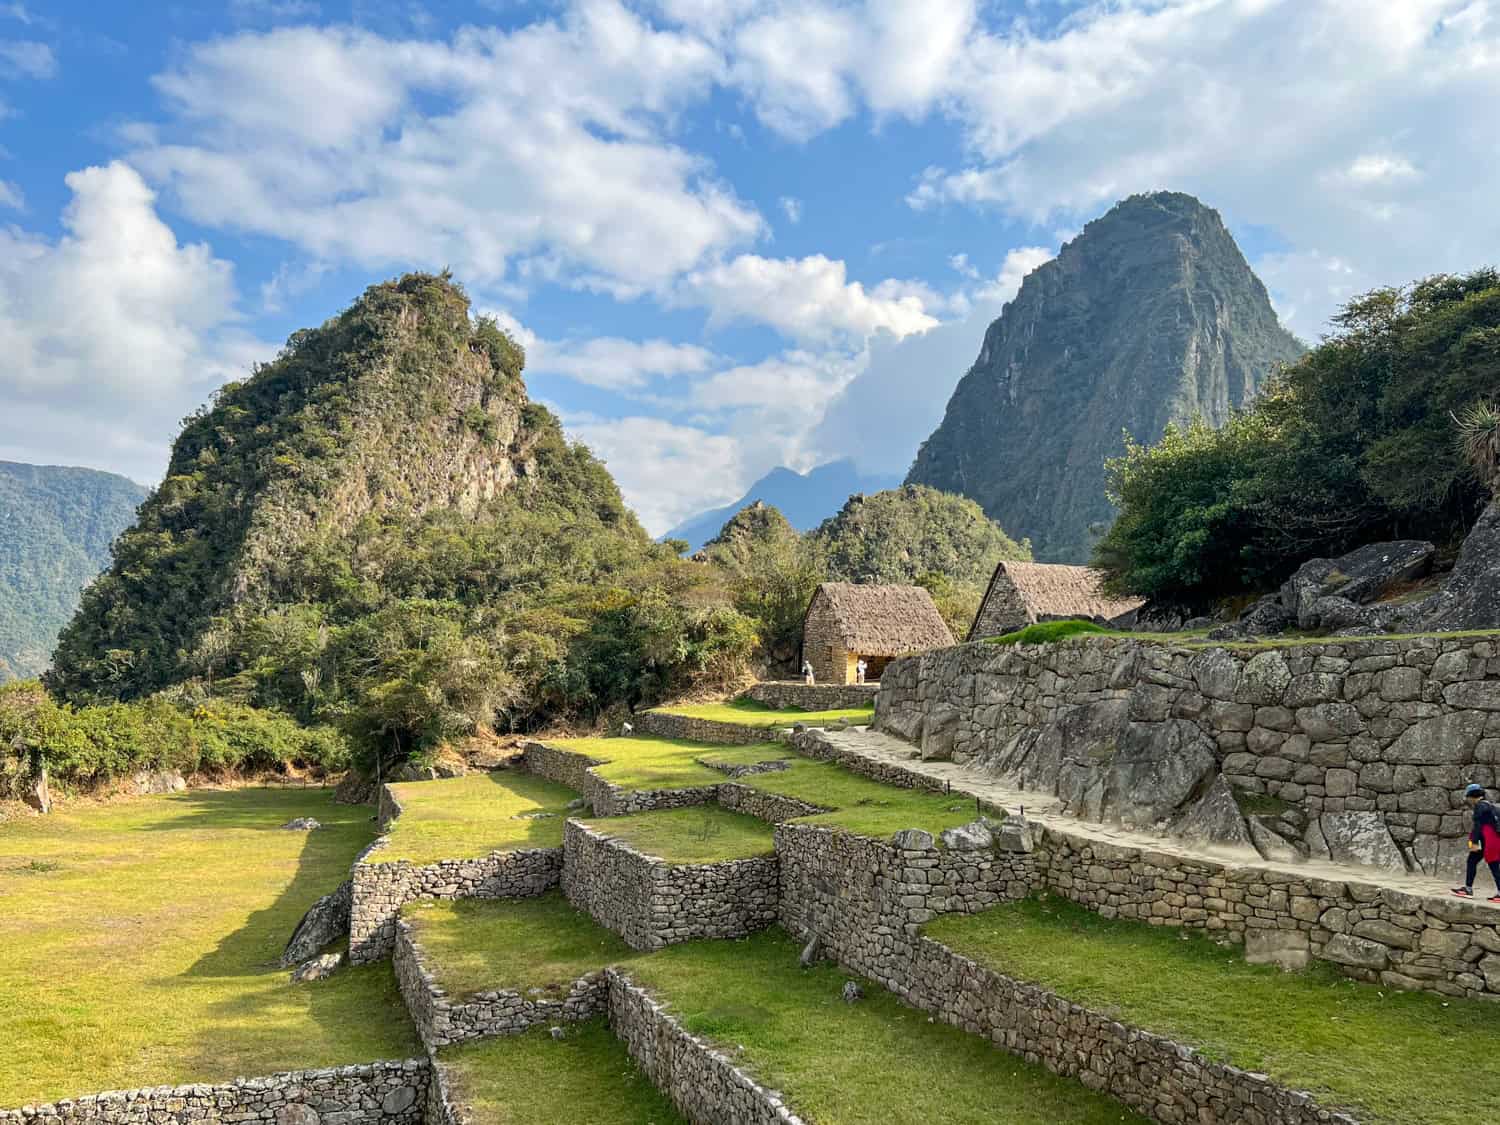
[473, 945]
[1045, 632]
[753, 713]
[861, 805]
[467, 817]
[837, 1064]
[533, 1079]
[703, 834]
[140, 937]
[1396, 1057]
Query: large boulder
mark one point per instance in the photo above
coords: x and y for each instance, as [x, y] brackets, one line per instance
[151, 782]
[1360, 577]
[1354, 837]
[1470, 598]
[355, 789]
[1214, 818]
[326, 921]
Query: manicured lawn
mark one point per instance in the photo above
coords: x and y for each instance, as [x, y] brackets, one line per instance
[1396, 1057]
[139, 940]
[704, 834]
[465, 817]
[473, 945]
[533, 1079]
[861, 805]
[872, 1062]
[753, 713]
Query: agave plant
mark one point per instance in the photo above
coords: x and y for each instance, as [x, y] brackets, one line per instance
[1479, 438]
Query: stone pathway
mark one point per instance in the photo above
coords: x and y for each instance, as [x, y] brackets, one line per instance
[1045, 809]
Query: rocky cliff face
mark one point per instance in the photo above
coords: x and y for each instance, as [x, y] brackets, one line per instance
[400, 405]
[1151, 315]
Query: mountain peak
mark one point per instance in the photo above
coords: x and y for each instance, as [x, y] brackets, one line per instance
[1150, 315]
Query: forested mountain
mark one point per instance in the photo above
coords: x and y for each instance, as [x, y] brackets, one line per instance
[56, 525]
[803, 499]
[1150, 316]
[378, 530]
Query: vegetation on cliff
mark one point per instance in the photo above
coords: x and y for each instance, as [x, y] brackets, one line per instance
[59, 523]
[1150, 316]
[1356, 442]
[378, 531]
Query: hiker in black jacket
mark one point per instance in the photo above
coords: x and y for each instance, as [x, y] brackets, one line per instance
[1484, 842]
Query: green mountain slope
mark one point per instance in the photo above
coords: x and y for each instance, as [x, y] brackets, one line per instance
[1151, 315]
[58, 524]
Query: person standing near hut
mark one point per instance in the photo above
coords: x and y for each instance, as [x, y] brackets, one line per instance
[859, 670]
[807, 672]
[1484, 842]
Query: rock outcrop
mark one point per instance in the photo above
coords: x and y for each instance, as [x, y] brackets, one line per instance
[1150, 316]
[326, 921]
[1470, 598]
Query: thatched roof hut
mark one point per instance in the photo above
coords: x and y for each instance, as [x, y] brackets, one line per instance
[846, 622]
[1023, 593]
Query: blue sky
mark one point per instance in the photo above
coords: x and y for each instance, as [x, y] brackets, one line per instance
[732, 234]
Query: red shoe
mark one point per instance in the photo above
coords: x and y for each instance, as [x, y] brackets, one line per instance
[1493, 898]
[1465, 892]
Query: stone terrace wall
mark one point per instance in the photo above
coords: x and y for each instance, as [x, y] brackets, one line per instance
[1163, 1079]
[661, 724]
[575, 770]
[381, 889]
[700, 1080]
[866, 899]
[770, 807]
[441, 1020]
[1358, 725]
[813, 697]
[382, 1093]
[651, 903]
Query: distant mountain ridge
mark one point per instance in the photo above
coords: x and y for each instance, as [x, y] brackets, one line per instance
[58, 525]
[1151, 315]
[805, 499]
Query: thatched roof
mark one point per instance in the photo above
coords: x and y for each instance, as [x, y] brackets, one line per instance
[884, 620]
[1055, 590]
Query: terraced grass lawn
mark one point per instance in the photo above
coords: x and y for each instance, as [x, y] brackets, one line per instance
[869, 1063]
[532, 1079]
[861, 805]
[467, 817]
[1396, 1057]
[753, 713]
[703, 834]
[477, 944]
[139, 940]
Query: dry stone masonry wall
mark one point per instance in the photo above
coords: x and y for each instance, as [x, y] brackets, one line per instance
[663, 724]
[1350, 741]
[651, 903]
[813, 697]
[700, 1080]
[382, 1093]
[381, 889]
[575, 770]
[442, 1020]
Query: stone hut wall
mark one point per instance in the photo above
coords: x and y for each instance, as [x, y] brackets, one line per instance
[651, 903]
[381, 1093]
[813, 697]
[700, 1080]
[381, 889]
[823, 643]
[662, 724]
[441, 1019]
[1003, 610]
[1354, 725]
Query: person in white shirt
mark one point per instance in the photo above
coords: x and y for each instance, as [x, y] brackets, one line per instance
[807, 672]
[859, 671]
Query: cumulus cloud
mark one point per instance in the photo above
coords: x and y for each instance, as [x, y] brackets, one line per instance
[898, 398]
[539, 152]
[25, 58]
[612, 363]
[665, 469]
[805, 298]
[112, 332]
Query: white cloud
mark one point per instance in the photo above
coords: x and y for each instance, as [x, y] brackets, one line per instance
[1381, 168]
[111, 333]
[539, 152]
[666, 470]
[24, 58]
[805, 298]
[898, 398]
[615, 364]
[11, 195]
[792, 208]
